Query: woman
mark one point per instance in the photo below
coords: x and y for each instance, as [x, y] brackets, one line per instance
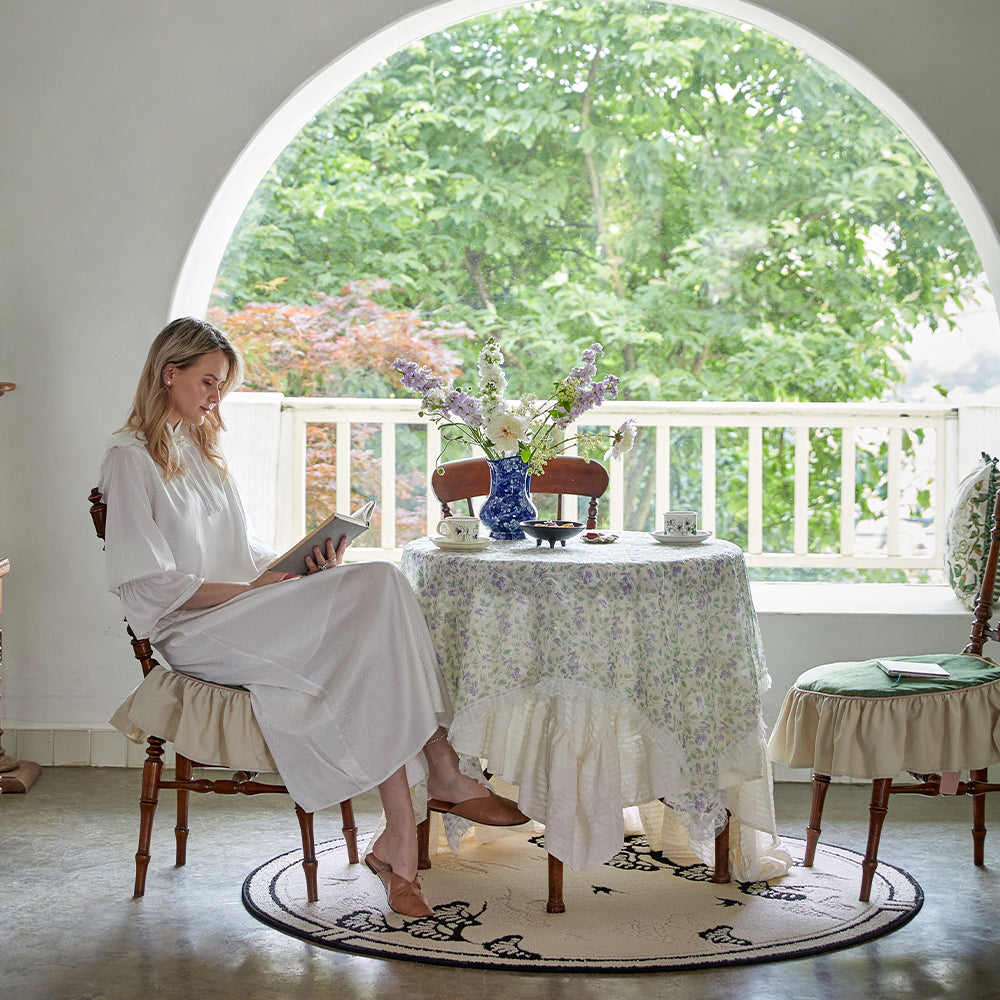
[340, 667]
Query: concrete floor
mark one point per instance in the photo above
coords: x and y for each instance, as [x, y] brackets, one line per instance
[70, 929]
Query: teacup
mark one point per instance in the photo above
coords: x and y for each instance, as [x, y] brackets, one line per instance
[464, 530]
[680, 522]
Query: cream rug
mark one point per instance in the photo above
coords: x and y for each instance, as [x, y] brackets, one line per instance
[640, 912]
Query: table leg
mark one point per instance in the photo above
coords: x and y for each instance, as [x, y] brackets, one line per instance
[423, 843]
[721, 873]
[555, 903]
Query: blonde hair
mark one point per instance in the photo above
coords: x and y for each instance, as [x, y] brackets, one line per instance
[181, 343]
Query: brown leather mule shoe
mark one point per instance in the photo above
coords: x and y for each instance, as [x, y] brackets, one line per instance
[493, 810]
[404, 898]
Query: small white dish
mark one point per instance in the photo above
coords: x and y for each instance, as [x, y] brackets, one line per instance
[696, 539]
[599, 537]
[450, 545]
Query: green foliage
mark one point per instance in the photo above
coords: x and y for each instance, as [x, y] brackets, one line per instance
[727, 216]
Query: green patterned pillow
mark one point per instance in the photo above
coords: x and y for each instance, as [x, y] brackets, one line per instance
[967, 531]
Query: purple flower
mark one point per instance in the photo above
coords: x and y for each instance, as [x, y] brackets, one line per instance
[465, 407]
[416, 377]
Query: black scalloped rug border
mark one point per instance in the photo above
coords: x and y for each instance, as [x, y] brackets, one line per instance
[640, 912]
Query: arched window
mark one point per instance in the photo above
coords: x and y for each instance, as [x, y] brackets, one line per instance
[735, 209]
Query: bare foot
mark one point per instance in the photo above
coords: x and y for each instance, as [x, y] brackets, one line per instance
[455, 787]
[445, 780]
[400, 853]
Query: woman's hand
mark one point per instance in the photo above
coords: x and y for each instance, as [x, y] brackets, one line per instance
[334, 556]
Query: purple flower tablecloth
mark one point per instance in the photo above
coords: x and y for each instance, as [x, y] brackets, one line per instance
[598, 677]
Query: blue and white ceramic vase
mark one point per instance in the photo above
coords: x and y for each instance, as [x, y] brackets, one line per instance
[509, 502]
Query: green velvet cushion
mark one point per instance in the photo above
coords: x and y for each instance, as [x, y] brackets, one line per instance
[865, 679]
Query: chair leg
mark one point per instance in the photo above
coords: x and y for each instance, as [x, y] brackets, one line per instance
[148, 798]
[721, 873]
[309, 862]
[821, 782]
[555, 903]
[977, 779]
[184, 771]
[877, 810]
[350, 830]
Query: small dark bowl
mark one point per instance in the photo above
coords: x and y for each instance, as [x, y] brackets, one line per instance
[552, 533]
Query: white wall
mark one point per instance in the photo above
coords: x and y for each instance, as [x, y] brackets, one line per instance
[119, 119]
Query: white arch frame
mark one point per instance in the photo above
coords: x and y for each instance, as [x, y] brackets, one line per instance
[201, 263]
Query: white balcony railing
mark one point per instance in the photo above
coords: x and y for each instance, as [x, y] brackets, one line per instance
[268, 450]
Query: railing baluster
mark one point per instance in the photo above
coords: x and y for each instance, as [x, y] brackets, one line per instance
[801, 502]
[433, 450]
[755, 489]
[945, 444]
[344, 470]
[848, 486]
[893, 498]
[708, 478]
[662, 475]
[287, 484]
[388, 430]
[298, 484]
[616, 497]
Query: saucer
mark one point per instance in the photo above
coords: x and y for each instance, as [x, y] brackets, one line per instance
[696, 539]
[452, 546]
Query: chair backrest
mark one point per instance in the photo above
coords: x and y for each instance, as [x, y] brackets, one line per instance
[985, 603]
[564, 475]
[141, 648]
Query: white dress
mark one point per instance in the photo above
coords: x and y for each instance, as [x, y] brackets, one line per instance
[340, 666]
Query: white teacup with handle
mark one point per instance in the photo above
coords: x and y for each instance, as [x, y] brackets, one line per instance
[461, 530]
[680, 522]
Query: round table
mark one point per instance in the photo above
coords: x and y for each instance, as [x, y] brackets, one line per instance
[597, 677]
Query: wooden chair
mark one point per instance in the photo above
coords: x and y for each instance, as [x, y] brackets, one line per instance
[181, 707]
[853, 720]
[468, 478]
[565, 475]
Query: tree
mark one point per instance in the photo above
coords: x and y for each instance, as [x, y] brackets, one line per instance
[723, 213]
[343, 345]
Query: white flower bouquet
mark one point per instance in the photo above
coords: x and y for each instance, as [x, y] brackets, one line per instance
[529, 427]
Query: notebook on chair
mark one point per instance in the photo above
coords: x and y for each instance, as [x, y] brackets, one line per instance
[911, 668]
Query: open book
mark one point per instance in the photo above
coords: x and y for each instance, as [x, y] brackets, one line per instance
[336, 526]
[912, 668]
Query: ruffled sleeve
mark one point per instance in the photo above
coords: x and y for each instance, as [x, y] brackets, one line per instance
[140, 565]
[261, 554]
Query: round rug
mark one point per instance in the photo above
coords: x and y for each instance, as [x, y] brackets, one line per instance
[640, 912]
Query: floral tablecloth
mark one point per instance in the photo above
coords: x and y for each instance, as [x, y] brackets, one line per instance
[599, 677]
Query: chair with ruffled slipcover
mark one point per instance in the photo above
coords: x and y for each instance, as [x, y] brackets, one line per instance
[856, 720]
[208, 723]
